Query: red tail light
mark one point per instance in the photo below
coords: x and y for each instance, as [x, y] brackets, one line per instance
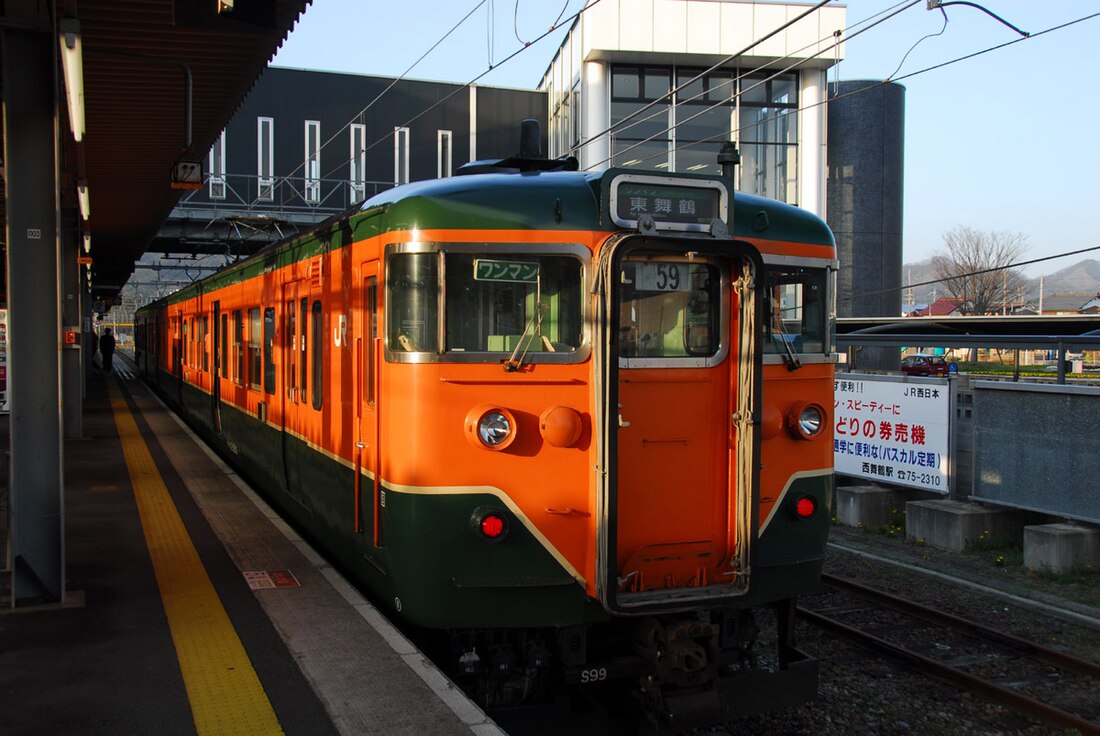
[805, 507]
[490, 524]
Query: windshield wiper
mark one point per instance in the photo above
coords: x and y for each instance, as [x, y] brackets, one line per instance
[792, 361]
[515, 363]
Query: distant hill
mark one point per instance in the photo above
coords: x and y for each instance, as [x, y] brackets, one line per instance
[1083, 277]
[1067, 288]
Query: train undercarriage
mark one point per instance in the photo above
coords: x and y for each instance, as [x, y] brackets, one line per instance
[671, 672]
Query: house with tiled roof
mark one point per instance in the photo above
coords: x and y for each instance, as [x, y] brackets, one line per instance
[1071, 303]
[942, 307]
[1092, 306]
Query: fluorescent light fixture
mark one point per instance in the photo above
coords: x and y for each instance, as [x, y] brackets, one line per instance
[632, 162]
[85, 200]
[696, 167]
[662, 165]
[72, 62]
[87, 242]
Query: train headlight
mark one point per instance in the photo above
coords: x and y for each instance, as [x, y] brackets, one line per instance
[805, 420]
[491, 427]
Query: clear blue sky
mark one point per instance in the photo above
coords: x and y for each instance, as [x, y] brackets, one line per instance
[1009, 140]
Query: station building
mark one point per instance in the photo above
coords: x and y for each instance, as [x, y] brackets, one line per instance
[658, 85]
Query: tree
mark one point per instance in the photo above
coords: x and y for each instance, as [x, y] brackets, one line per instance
[973, 268]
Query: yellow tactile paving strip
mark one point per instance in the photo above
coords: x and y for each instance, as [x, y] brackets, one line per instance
[225, 694]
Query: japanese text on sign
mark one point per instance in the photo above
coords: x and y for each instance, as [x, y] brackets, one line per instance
[892, 430]
[668, 203]
[516, 271]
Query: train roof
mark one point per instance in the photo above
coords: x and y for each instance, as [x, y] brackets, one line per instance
[566, 200]
[529, 200]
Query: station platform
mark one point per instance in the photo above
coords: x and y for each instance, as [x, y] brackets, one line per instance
[192, 608]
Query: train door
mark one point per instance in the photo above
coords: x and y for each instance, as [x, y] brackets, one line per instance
[680, 503]
[296, 388]
[216, 368]
[368, 490]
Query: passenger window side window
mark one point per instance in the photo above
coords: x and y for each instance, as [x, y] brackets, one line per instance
[318, 353]
[254, 343]
[269, 351]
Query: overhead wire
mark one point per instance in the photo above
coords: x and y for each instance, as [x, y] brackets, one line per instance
[1000, 46]
[918, 43]
[515, 21]
[564, 7]
[515, 24]
[838, 34]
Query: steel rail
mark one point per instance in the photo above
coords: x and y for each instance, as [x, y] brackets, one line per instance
[1008, 696]
[1036, 651]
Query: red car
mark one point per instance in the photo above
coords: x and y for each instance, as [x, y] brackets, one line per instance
[924, 365]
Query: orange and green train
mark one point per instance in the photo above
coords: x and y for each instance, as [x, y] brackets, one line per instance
[580, 422]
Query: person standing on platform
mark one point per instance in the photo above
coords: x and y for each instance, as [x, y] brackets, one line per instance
[107, 349]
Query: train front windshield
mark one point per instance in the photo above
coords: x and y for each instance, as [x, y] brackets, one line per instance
[669, 310]
[493, 304]
[797, 306]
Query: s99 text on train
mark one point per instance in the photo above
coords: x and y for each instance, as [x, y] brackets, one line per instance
[576, 423]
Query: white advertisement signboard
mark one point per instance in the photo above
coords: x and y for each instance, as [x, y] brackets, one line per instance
[892, 429]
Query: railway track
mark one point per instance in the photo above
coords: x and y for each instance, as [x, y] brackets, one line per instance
[1045, 683]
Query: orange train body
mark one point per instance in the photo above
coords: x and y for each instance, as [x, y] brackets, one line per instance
[502, 404]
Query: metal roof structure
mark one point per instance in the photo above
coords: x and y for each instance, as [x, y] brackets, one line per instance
[1056, 332]
[161, 80]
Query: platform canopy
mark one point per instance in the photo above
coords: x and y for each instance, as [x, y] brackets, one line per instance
[143, 128]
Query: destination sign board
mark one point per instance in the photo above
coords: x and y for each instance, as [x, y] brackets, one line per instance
[513, 271]
[673, 204]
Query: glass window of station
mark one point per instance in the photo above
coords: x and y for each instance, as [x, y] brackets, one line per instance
[485, 306]
[654, 129]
